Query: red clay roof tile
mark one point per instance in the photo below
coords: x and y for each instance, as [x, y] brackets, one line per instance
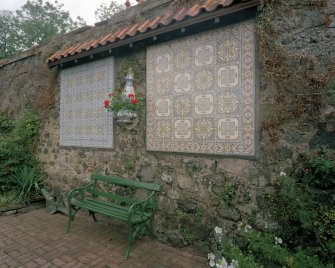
[150, 24]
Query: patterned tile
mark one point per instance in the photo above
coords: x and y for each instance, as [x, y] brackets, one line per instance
[201, 93]
[84, 122]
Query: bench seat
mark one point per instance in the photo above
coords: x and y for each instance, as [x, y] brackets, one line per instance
[112, 210]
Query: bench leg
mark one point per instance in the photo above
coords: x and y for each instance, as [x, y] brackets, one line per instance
[130, 241]
[93, 216]
[70, 219]
[72, 213]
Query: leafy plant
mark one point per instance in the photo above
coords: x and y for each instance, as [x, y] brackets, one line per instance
[229, 194]
[256, 249]
[17, 145]
[119, 102]
[28, 184]
[7, 198]
[319, 172]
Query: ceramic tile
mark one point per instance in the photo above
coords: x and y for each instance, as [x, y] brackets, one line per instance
[84, 122]
[201, 93]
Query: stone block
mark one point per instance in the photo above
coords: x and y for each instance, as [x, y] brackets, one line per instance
[185, 182]
[187, 206]
[166, 177]
[146, 173]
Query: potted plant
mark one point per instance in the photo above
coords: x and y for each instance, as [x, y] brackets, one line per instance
[124, 105]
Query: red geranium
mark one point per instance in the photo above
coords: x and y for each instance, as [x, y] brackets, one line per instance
[134, 101]
[131, 95]
[106, 103]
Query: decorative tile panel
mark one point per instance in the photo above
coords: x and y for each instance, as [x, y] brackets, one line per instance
[201, 93]
[84, 122]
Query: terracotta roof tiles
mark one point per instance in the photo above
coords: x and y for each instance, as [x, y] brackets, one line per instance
[140, 28]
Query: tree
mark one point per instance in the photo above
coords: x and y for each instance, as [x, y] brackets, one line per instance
[38, 22]
[7, 33]
[34, 24]
[104, 12]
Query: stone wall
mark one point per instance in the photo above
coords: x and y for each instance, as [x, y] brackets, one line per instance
[296, 115]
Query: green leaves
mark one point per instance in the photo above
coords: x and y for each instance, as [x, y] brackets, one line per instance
[17, 147]
[33, 24]
[28, 182]
[105, 12]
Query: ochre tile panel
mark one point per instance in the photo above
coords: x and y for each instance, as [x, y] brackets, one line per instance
[148, 25]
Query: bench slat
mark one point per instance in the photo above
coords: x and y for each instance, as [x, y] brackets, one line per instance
[127, 200]
[117, 213]
[125, 182]
[113, 205]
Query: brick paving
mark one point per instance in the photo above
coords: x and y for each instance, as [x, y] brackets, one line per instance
[37, 239]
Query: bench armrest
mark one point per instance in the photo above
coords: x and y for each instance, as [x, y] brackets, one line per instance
[143, 206]
[78, 193]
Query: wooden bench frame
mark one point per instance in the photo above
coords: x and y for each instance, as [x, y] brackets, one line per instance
[138, 214]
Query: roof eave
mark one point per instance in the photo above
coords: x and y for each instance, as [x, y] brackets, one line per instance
[160, 30]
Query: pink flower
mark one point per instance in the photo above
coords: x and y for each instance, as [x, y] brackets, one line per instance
[131, 95]
[110, 94]
[106, 103]
[134, 101]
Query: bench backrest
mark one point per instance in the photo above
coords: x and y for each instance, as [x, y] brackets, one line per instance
[126, 182]
[120, 182]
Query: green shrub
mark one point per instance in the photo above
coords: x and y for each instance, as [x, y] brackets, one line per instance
[17, 144]
[303, 206]
[28, 185]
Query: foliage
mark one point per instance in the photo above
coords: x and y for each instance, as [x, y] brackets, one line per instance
[119, 102]
[7, 198]
[319, 172]
[33, 24]
[104, 12]
[260, 249]
[306, 218]
[28, 185]
[188, 224]
[17, 142]
[6, 125]
[7, 40]
[229, 193]
[303, 207]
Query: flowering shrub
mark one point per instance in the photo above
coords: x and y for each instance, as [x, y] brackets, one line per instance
[117, 102]
[303, 236]
[257, 250]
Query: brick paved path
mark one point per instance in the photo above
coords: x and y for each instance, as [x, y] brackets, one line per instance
[37, 239]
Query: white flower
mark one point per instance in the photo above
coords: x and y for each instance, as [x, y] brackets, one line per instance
[218, 230]
[211, 263]
[278, 240]
[282, 174]
[234, 264]
[247, 228]
[222, 263]
[239, 226]
[211, 256]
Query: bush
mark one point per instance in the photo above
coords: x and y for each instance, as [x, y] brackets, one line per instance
[303, 207]
[28, 185]
[17, 143]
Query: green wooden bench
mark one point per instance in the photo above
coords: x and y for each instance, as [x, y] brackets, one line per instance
[138, 214]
